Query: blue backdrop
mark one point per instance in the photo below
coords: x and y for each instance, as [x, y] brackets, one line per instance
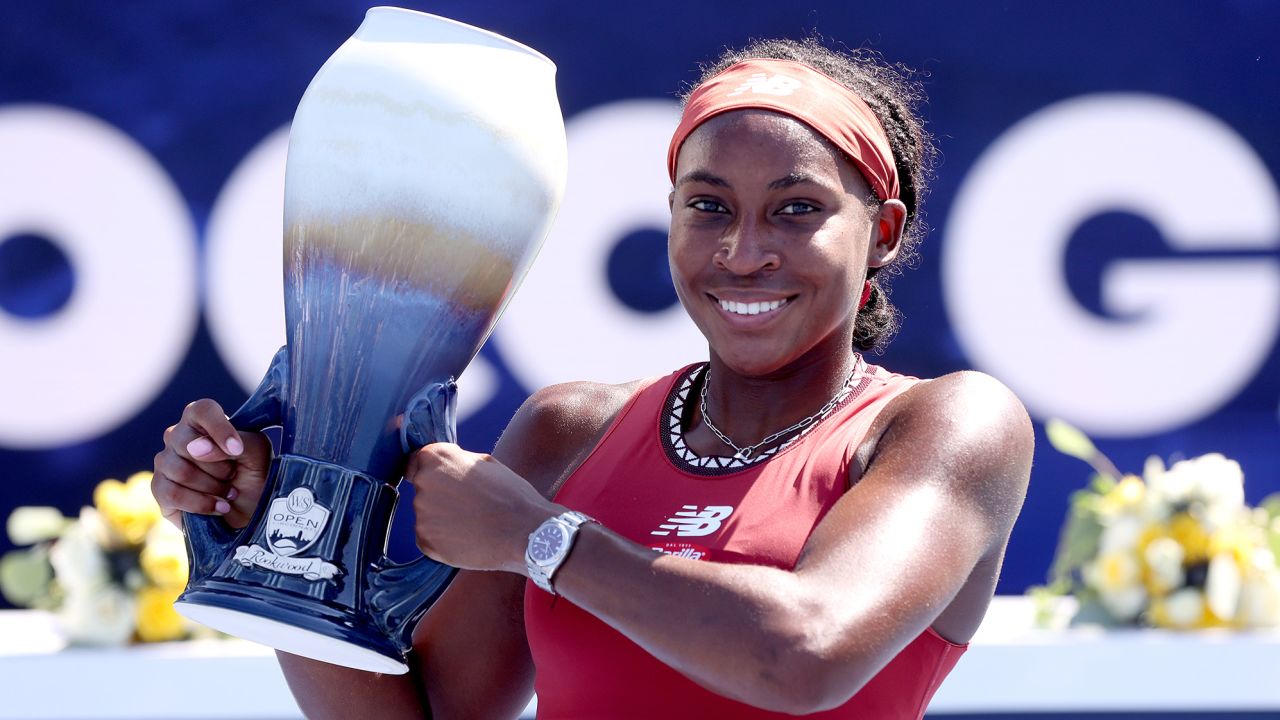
[1138, 297]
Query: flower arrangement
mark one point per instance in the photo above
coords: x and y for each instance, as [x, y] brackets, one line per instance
[1176, 547]
[111, 575]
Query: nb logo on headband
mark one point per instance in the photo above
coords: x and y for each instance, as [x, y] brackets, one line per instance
[768, 85]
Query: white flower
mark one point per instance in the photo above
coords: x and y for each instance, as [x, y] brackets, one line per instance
[102, 615]
[1260, 595]
[1164, 561]
[77, 557]
[30, 525]
[1152, 467]
[1121, 534]
[1213, 482]
[1262, 560]
[1218, 479]
[1124, 603]
[1112, 571]
[1166, 487]
[1116, 577]
[1222, 587]
[1184, 608]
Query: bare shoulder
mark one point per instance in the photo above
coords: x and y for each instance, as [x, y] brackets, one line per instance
[968, 400]
[966, 429]
[557, 426]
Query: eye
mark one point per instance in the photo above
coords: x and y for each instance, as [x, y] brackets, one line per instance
[705, 205]
[798, 207]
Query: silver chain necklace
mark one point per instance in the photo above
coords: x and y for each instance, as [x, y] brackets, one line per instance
[749, 452]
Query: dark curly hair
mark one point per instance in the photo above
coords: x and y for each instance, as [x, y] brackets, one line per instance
[893, 95]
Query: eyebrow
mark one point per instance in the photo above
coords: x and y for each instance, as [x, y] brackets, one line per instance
[794, 178]
[703, 176]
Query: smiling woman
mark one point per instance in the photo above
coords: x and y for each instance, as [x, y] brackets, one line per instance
[783, 529]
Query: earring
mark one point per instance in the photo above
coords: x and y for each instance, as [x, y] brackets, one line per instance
[866, 294]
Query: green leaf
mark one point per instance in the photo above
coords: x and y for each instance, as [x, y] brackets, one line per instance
[1067, 440]
[1271, 504]
[1079, 540]
[30, 525]
[25, 576]
[1101, 484]
[1044, 599]
[1092, 612]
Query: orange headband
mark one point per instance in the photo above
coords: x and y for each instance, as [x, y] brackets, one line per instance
[797, 90]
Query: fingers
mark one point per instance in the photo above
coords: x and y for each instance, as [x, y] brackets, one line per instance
[211, 479]
[203, 455]
[175, 499]
[174, 496]
[256, 454]
[204, 433]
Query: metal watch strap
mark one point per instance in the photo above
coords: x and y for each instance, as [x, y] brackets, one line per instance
[571, 520]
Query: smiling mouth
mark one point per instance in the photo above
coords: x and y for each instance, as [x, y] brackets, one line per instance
[751, 308]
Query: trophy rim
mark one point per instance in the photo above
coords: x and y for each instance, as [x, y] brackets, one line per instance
[289, 638]
[515, 44]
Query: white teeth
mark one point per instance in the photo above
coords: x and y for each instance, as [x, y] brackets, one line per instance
[754, 308]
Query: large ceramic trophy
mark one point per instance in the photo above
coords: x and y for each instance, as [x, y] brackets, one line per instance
[426, 163]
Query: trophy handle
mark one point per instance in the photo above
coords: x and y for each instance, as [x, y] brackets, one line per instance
[209, 538]
[400, 594]
[430, 416]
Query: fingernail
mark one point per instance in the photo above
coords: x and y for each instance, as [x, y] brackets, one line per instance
[232, 494]
[234, 446]
[200, 447]
[222, 507]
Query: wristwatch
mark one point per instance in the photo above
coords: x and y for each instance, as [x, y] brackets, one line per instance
[549, 545]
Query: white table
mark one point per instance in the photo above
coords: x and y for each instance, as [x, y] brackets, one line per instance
[1010, 668]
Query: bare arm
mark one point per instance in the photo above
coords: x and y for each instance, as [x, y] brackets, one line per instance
[939, 496]
[470, 655]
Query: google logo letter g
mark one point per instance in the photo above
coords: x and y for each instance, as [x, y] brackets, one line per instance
[1205, 191]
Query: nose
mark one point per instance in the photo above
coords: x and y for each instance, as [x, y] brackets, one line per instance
[746, 248]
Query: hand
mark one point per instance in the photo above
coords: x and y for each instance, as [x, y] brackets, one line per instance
[471, 511]
[210, 468]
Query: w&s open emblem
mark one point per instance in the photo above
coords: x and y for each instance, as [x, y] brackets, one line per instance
[294, 523]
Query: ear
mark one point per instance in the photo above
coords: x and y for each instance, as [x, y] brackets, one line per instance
[671, 201]
[886, 233]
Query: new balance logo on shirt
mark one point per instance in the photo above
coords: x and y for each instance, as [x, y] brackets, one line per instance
[689, 521]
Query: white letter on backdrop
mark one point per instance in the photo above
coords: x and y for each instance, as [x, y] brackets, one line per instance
[125, 229]
[565, 322]
[1199, 329]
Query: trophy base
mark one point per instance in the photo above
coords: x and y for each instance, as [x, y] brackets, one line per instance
[288, 631]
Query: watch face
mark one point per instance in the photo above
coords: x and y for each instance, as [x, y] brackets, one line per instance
[546, 543]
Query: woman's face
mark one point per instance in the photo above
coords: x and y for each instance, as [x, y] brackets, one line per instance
[772, 231]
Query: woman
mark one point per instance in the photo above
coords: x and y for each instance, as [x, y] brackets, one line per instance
[784, 529]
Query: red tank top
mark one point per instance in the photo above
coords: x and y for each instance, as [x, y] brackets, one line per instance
[639, 483]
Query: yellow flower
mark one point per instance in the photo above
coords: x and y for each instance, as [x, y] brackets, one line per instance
[157, 621]
[1191, 535]
[164, 556]
[1128, 493]
[1113, 571]
[1239, 540]
[127, 507]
